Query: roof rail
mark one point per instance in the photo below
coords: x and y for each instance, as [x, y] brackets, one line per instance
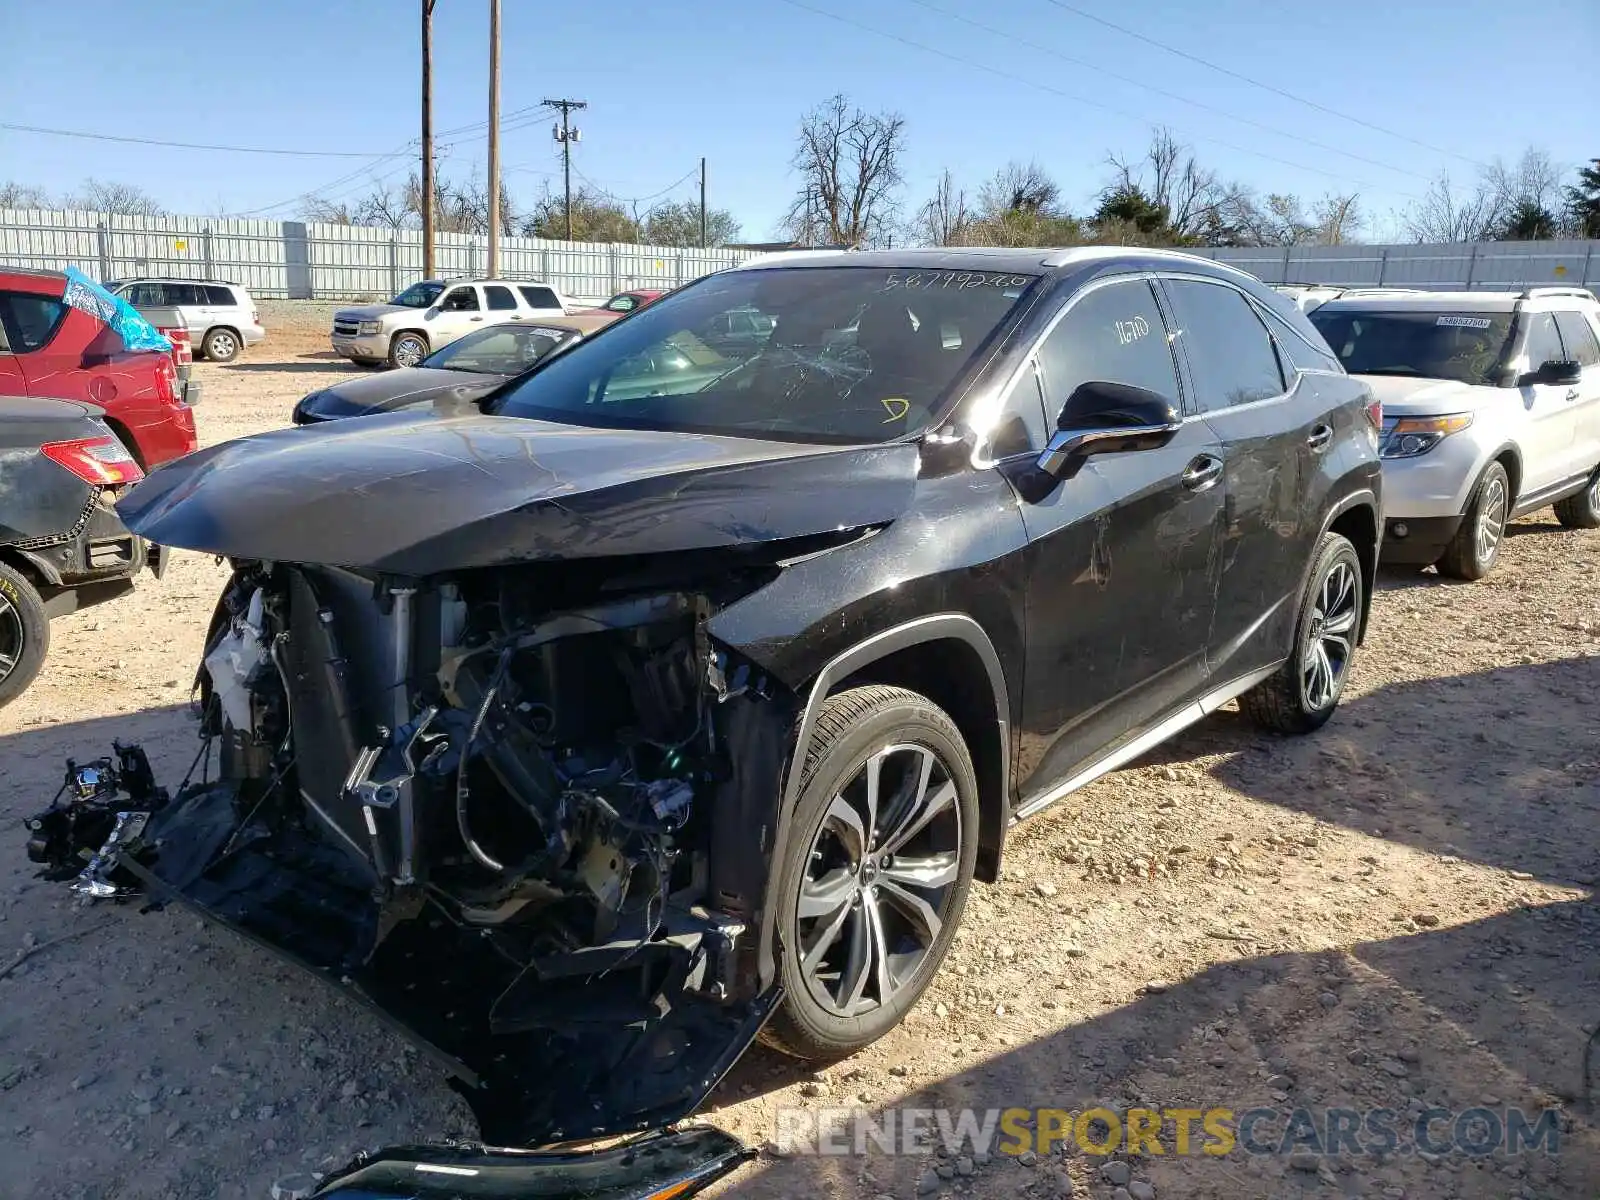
[1545, 293]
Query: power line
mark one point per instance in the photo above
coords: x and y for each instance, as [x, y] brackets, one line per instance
[1275, 90]
[1082, 62]
[1012, 77]
[144, 141]
[692, 171]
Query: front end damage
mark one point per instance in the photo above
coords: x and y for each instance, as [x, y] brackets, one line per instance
[523, 812]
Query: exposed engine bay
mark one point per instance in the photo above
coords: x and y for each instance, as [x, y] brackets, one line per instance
[514, 810]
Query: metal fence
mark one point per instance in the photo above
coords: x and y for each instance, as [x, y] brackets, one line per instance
[304, 260]
[1475, 265]
[301, 260]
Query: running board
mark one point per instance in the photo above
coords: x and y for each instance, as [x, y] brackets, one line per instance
[1148, 740]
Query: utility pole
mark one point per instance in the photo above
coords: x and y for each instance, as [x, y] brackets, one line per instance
[566, 135]
[494, 139]
[427, 139]
[702, 202]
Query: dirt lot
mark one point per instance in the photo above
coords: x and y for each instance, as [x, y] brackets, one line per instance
[1398, 912]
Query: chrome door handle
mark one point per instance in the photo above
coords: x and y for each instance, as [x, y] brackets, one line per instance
[1202, 472]
[1320, 437]
[1572, 394]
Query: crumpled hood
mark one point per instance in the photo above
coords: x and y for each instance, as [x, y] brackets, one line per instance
[1406, 396]
[417, 493]
[396, 389]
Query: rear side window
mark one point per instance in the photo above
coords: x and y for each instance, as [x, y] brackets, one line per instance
[29, 321]
[500, 298]
[220, 297]
[1577, 335]
[1544, 343]
[180, 294]
[1303, 354]
[540, 297]
[1228, 349]
[1115, 334]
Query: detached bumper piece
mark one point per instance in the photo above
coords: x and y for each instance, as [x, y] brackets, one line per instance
[665, 1166]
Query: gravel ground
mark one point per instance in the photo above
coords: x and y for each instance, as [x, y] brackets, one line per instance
[1397, 912]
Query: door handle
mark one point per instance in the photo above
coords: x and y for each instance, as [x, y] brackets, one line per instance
[475, 318]
[1572, 394]
[1202, 472]
[1320, 437]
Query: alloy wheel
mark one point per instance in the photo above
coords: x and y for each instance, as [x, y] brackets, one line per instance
[223, 346]
[409, 352]
[1330, 638]
[11, 637]
[1491, 519]
[879, 875]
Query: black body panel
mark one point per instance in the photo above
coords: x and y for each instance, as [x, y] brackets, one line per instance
[413, 387]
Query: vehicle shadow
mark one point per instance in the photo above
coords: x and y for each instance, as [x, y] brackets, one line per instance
[295, 366]
[1497, 767]
[1492, 1013]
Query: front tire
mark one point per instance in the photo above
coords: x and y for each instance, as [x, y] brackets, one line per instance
[1583, 510]
[876, 870]
[1476, 545]
[1301, 695]
[407, 349]
[221, 345]
[24, 634]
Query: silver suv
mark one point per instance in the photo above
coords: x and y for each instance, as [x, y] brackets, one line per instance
[434, 313]
[222, 316]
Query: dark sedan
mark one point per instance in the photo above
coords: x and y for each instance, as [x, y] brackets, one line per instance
[466, 369]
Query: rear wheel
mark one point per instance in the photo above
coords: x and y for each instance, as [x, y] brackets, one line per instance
[1583, 510]
[1476, 545]
[221, 345]
[1302, 694]
[24, 634]
[407, 349]
[873, 880]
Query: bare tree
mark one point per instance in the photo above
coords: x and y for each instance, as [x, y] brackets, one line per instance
[1173, 179]
[1450, 214]
[1018, 187]
[108, 196]
[1535, 180]
[329, 212]
[1339, 219]
[944, 219]
[849, 165]
[23, 195]
[390, 207]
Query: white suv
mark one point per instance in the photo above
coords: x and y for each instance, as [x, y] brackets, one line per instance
[1491, 409]
[432, 313]
[221, 315]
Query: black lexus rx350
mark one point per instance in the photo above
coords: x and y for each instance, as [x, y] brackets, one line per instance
[592, 733]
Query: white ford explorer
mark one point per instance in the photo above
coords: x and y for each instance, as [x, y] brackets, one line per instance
[1491, 409]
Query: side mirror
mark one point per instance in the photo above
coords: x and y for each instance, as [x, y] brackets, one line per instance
[1108, 418]
[1559, 372]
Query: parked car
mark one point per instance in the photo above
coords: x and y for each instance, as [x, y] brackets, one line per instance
[221, 317]
[1491, 410]
[434, 313]
[51, 348]
[624, 303]
[466, 369]
[587, 732]
[62, 546]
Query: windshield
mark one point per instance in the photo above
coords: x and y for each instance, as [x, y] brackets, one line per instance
[826, 354]
[498, 350]
[1463, 347]
[418, 295]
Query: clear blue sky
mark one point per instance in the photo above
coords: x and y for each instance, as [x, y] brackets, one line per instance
[668, 82]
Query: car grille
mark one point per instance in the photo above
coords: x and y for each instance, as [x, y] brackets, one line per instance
[347, 328]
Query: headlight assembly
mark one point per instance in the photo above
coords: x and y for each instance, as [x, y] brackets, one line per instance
[1408, 437]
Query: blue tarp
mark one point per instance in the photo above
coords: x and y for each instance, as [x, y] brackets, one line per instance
[88, 296]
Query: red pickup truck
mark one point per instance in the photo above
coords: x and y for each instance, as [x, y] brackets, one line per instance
[49, 348]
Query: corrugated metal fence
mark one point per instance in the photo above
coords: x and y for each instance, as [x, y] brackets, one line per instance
[301, 260]
[1476, 265]
[305, 260]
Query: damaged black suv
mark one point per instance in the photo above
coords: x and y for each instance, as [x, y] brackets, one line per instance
[679, 689]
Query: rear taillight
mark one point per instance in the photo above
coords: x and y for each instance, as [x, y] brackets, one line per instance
[99, 462]
[166, 380]
[1375, 413]
[182, 346]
